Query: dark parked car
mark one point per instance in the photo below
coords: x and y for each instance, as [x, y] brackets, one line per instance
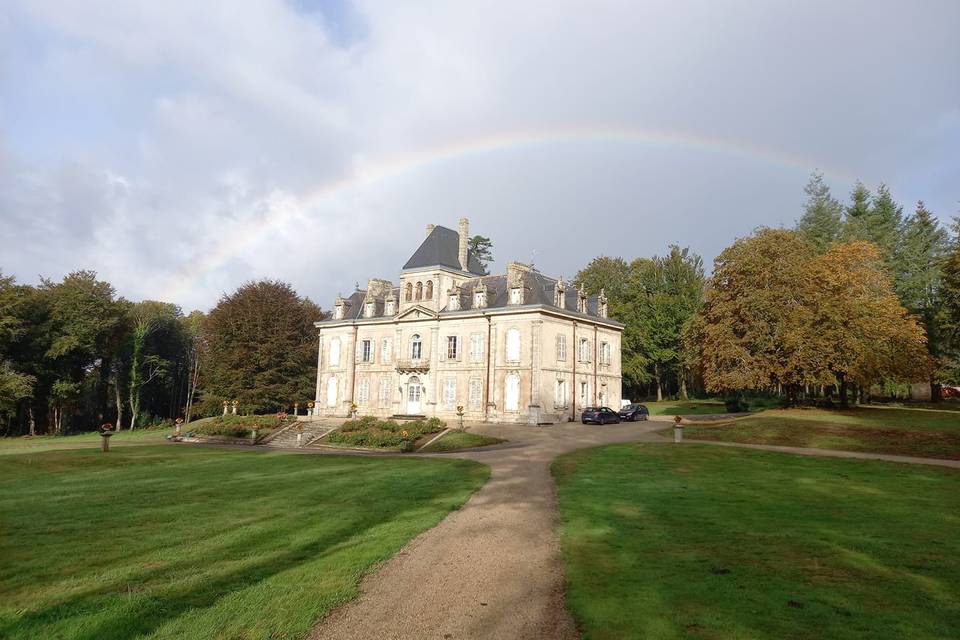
[634, 412]
[599, 415]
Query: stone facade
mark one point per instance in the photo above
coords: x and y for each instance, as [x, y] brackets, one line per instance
[518, 347]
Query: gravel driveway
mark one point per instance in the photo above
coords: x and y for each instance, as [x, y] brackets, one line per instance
[491, 569]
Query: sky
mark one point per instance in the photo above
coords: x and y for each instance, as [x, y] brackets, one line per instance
[180, 149]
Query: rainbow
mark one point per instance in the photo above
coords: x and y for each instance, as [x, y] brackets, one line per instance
[366, 173]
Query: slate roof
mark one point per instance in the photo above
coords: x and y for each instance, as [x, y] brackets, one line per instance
[442, 248]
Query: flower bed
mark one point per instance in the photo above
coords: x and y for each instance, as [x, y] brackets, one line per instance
[239, 426]
[371, 432]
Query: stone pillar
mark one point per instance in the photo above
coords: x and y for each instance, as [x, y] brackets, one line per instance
[399, 353]
[316, 397]
[434, 359]
[535, 364]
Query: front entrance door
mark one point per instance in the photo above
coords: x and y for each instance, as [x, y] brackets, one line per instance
[414, 391]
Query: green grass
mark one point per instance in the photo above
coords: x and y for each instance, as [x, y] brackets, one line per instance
[685, 407]
[694, 541]
[913, 432]
[181, 542]
[81, 440]
[455, 440]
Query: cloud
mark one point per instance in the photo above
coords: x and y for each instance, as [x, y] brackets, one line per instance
[180, 149]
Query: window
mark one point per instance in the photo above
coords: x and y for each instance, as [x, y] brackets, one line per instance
[476, 347]
[511, 394]
[429, 294]
[513, 345]
[605, 353]
[363, 392]
[584, 393]
[561, 348]
[408, 296]
[338, 312]
[449, 392]
[335, 352]
[385, 349]
[584, 350]
[478, 299]
[582, 304]
[366, 351]
[386, 385]
[560, 396]
[391, 308]
[476, 393]
[419, 290]
[371, 309]
[453, 348]
[453, 304]
[603, 398]
[332, 391]
[416, 347]
[516, 295]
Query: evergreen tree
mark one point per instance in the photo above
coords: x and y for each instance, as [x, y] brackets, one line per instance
[822, 219]
[482, 249]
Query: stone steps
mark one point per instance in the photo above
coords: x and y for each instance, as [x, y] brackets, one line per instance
[287, 438]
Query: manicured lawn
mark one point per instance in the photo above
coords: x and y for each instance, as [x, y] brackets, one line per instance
[913, 432]
[81, 440]
[694, 541]
[179, 542]
[685, 407]
[455, 440]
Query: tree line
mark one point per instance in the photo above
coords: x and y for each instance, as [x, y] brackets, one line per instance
[74, 355]
[856, 295]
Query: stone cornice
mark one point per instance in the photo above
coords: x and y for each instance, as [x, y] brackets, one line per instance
[549, 310]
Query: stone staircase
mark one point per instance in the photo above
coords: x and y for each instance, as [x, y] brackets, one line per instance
[286, 438]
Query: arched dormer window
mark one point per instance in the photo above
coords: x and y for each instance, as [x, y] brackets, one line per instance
[419, 291]
[408, 296]
[416, 347]
[429, 293]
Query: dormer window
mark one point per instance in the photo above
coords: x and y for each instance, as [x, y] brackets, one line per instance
[602, 304]
[338, 312]
[478, 299]
[390, 307]
[559, 292]
[453, 304]
[370, 309]
[516, 295]
[582, 300]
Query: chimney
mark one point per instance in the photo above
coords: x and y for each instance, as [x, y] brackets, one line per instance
[429, 230]
[464, 236]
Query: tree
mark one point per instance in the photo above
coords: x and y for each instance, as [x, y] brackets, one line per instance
[197, 347]
[607, 274]
[777, 313]
[482, 249]
[925, 244]
[756, 314]
[262, 348]
[859, 331]
[664, 293]
[822, 219]
[949, 295]
[147, 318]
[654, 298]
[879, 222]
[82, 316]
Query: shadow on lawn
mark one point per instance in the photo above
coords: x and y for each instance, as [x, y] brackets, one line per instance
[162, 606]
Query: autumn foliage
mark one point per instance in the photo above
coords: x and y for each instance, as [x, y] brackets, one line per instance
[779, 314]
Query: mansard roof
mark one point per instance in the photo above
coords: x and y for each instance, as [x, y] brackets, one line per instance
[442, 249]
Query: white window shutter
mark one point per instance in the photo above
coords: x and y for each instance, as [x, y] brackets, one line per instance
[359, 350]
[443, 348]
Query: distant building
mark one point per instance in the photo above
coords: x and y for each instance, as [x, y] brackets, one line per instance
[517, 347]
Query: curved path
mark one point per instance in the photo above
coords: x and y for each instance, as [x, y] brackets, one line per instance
[492, 569]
